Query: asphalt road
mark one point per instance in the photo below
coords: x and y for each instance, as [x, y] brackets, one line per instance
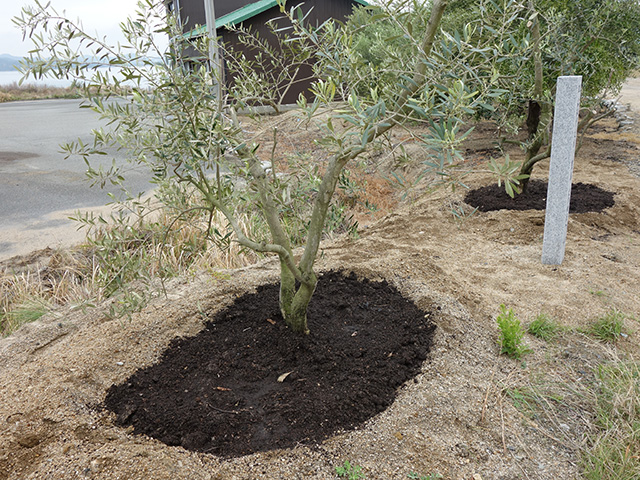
[39, 188]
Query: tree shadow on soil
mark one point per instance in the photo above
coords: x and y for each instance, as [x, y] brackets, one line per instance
[584, 198]
[245, 383]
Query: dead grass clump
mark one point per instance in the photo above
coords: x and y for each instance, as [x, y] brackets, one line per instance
[39, 283]
[118, 259]
[380, 195]
[615, 448]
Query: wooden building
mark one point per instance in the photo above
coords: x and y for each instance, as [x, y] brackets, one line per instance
[256, 15]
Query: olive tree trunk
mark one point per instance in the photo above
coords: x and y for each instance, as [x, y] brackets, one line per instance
[539, 111]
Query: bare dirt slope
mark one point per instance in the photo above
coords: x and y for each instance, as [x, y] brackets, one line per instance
[456, 419]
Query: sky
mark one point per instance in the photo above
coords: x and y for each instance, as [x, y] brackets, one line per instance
[102, 16]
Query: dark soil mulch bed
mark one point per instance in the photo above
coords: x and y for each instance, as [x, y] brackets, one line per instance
[218, 392]
[584, 198]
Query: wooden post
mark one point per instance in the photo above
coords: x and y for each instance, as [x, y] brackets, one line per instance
[215, 64]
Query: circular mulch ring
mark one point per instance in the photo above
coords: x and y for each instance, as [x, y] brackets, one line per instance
[219, 392]
[584, 198]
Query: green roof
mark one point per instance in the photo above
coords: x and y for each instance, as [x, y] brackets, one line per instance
[244, 13]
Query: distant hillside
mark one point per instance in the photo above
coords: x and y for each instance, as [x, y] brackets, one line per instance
[8, 62]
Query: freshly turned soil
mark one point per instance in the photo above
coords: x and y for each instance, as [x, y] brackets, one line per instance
[219, 392]
[584, 198]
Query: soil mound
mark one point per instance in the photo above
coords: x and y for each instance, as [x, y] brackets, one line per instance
[224, 391]
[584, 198]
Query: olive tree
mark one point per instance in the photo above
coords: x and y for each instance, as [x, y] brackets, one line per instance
[597, 39]
[164, 115]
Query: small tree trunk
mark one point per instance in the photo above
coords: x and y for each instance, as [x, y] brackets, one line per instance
[533, 118]
[296, 314]
[294, 303]
[538, 111]
[535, 142]
[296, 317]
[531, 158]
[287, 290]
[527, 165]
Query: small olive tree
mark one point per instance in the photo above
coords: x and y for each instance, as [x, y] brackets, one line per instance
[595, 39]
[599, 40]
[164, 115]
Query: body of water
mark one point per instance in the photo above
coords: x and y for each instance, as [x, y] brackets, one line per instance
[7, 78]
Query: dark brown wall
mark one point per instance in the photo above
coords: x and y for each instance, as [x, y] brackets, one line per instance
[321, 10]
[324, 9]
[194, 9]
[191, 14]
[227, 6]
[258, 25]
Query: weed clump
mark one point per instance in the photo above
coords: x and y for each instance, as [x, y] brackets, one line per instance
[511, 334]
[349, 471]
[609, 327]
[544, 327]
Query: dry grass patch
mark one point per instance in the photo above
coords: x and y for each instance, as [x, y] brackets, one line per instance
[14, 92]
[615, 450]
[119, 259]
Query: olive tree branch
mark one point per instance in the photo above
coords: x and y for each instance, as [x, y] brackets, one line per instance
[338, 162]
